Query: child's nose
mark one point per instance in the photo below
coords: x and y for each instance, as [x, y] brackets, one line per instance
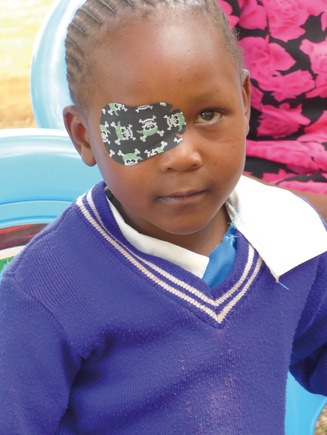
[184, 157]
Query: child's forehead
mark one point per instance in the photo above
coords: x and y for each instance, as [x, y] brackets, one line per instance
[151, 36]
[157, 20]
[162, 60]
[133, 40]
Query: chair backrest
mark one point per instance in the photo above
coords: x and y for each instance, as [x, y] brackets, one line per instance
[41, 173]
[302, 409]
[49, 87]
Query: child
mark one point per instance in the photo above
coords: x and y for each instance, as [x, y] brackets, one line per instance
[173, 297]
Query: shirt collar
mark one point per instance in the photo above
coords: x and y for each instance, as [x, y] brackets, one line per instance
[284, 229]
[188, 260]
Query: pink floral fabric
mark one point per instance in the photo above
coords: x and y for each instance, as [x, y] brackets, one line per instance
[285, 49]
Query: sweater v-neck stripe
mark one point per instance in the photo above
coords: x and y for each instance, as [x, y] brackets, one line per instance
[215, 308]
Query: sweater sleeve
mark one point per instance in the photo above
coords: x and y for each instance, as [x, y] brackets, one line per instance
[309, 356]
[37, 364]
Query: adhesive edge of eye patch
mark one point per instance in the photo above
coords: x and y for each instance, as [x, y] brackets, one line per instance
[132, 134]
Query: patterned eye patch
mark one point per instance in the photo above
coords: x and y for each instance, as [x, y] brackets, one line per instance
[132, 134]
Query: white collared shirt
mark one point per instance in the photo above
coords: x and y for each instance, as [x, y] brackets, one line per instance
[284, 229]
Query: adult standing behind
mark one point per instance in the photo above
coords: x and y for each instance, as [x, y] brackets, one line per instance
[285, 50]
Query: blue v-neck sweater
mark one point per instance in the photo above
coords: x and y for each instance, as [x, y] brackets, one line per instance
[97, 337]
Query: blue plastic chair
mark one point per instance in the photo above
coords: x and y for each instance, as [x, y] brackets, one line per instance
[49, 87]
[302, 409]
[41, 174]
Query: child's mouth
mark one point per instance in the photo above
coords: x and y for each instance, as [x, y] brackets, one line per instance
[178, 197]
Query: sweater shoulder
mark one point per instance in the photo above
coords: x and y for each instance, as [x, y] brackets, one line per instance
[62, 269]
[62, 254]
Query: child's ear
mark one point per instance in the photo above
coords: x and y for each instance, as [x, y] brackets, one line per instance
[246, 92]
[78, 133]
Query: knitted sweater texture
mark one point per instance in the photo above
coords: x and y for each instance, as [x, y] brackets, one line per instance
[111, 340]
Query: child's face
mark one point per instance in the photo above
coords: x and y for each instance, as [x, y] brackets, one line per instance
[177, 60]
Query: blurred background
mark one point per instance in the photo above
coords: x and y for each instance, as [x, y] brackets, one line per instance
[20, 21]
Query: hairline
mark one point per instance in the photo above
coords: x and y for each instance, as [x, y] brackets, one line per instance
[140, 12]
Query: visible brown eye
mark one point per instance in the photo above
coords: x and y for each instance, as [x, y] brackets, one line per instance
[208, 116]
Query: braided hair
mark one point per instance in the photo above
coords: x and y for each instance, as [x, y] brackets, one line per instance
[94, 18]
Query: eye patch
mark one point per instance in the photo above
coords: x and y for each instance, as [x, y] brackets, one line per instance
[132, 134]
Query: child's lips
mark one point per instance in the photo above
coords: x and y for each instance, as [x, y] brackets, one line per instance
[183, 196]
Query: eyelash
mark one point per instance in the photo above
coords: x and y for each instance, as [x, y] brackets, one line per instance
[217, 116]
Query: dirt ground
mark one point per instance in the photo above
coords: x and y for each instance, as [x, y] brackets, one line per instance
[15, 105]
[20, 21]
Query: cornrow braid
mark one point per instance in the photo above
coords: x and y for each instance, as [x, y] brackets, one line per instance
[86, 29]
[93, 17]
[106, 5]
[89, 19]
[129, 3]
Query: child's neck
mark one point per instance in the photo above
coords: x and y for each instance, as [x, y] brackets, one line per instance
[201, 242]
[205, 241]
